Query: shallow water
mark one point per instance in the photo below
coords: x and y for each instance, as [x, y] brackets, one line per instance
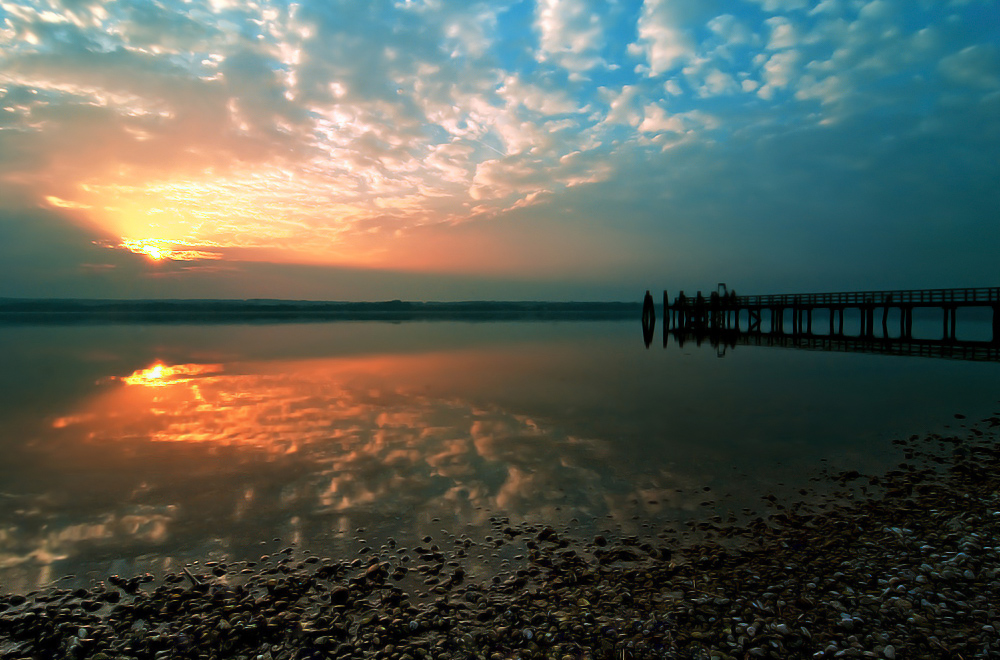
[135, 448]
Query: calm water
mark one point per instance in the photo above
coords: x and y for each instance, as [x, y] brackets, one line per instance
[135, 448]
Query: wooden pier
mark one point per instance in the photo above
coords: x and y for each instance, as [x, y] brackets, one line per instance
[791, 315]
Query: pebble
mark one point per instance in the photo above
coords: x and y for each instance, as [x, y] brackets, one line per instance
[911, 573]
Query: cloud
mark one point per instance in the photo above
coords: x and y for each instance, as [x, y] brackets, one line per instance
[775, 6]
[656, 120]
[975, 66]
[537, 99]
[731, 30]
[505, 176]
[779, 71]
[571, 33]
[339, 132]
[662, 40]
[783, 33]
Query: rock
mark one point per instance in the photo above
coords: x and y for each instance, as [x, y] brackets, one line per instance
[340, 595]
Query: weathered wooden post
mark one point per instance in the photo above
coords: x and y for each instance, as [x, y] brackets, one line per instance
[666, 311]
[666, 318]
[648, 319]
[885, 317]
[996, 324]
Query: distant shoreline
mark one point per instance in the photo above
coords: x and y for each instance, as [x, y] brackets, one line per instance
[70, 311]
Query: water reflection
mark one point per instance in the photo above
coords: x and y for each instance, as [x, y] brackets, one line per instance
[135, 449]
[243, 448]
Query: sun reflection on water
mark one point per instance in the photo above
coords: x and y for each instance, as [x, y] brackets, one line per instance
[176, 454]
[160, 375]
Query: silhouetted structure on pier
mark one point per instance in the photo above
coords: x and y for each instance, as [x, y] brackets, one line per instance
[720, 318]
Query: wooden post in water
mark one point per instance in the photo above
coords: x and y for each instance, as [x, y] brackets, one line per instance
[885, 317]
[666, 311]
[648, 318]
[996, 324]
[950, 320]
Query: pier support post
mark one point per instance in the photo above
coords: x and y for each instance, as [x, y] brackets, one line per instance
[996, 324]
[950, 321]
[648, 319]
[666, 311]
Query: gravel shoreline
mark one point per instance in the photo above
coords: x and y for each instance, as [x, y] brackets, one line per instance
[912, 570]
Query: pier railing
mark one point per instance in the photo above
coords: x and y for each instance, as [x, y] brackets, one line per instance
[917, 297]
[724, 310]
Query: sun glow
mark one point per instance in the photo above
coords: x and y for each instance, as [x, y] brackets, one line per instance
[156, 253]
[148, 248]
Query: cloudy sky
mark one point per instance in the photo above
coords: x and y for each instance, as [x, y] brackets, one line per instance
[438, 149]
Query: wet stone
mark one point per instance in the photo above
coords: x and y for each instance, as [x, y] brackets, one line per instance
[807, 581]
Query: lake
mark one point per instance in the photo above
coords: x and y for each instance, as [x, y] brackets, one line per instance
[133, 448]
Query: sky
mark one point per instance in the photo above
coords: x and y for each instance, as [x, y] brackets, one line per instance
[451, 150]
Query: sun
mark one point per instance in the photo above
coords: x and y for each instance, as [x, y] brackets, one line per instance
[149, 248]
[155, 253]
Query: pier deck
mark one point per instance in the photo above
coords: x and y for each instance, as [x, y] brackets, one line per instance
[723, 310]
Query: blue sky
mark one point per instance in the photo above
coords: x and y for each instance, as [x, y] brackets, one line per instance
[442, 150]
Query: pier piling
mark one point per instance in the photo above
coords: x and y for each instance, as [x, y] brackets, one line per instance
[722, 311]
[718, 318]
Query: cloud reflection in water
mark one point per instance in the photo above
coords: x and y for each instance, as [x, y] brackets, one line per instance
[198, 451]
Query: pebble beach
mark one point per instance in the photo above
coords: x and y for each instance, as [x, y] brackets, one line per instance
[904, 564]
